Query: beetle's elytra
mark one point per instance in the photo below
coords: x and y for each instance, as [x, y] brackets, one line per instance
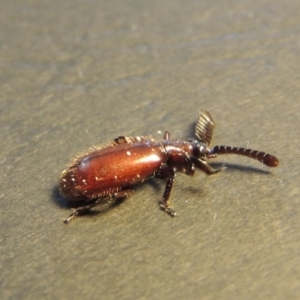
[110, 172]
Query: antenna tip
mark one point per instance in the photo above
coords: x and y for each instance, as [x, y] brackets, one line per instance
[271, 161]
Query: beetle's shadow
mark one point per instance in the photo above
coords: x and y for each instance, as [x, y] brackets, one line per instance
[155, 183]
[229, 167]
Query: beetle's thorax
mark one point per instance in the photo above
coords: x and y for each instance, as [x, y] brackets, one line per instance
[190, 147]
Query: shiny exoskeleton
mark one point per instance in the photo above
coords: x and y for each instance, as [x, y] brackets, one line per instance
[110, 172]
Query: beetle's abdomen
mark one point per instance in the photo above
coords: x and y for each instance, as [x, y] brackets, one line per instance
[107, 170]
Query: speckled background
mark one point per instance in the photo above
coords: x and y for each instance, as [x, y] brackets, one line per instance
[78, 73]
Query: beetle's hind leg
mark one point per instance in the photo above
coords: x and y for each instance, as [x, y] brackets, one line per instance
[84, 209]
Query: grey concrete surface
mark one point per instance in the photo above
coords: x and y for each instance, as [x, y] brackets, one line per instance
[79, 73]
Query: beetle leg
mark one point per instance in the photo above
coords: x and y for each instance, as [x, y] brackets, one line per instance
[84, 209]
[167, 135]
[123, 194]
[168, 173]
[165, 204]
[204, 166]
[81, 210]
[190, 170]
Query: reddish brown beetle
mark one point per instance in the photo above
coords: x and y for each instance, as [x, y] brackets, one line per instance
[110, 171]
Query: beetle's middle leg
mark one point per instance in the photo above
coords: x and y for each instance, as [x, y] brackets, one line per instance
[169, 174]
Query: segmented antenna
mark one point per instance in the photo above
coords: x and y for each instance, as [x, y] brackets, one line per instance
[265, 158]
[204, 127]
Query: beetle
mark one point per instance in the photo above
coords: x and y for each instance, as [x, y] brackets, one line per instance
[111, 171]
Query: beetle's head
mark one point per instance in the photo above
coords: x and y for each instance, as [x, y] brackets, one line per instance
[199, 149]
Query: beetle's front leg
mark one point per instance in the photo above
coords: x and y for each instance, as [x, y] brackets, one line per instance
[204, 166]
[169, 174]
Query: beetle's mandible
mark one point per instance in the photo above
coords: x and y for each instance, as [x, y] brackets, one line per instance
[110, 171]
